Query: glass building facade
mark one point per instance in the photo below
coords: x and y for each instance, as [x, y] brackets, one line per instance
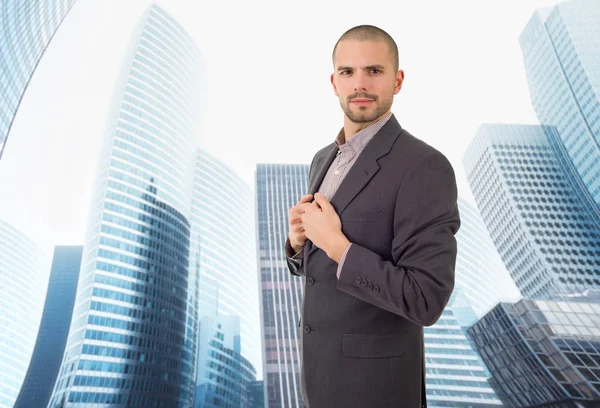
[279, 187]
[27, 28]
[224, 257]
[455, 374]
[560, 49]
[54, 328]
[546, 228]
[480, 272]
[228, 375]
[257, 394]
[132, 337]
[23, 280]
[542, 353]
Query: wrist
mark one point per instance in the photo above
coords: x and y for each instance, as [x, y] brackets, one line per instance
[338, 247]
[294, 247]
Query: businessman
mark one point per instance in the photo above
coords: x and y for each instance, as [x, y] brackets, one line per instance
[374, 239]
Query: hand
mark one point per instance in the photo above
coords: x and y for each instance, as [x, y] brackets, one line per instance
[297, 235]
[323, 227]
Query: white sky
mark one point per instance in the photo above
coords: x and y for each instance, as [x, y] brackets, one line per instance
[269, 97]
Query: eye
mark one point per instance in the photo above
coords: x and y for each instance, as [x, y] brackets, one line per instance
[375, 70]
[345, 72]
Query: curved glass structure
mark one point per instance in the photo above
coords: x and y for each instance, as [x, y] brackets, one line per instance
[54, 328]
[227, 376]
[224, 253]
[480, 271]
[22, 285]
[27, 28]
[132, 337]
[560, 49]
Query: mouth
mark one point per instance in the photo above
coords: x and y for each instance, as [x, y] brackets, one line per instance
[361, 101]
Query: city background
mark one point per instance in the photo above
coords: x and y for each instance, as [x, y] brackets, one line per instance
[150, 151]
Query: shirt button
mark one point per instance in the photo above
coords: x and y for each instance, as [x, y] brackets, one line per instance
[310, 280]
[307, 329]
[337, 171]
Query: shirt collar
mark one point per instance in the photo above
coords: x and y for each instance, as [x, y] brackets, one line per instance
[358, 142]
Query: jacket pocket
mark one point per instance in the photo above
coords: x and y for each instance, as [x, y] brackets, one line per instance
[374, 345]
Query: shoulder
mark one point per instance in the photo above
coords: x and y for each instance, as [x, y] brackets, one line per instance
[415, 152]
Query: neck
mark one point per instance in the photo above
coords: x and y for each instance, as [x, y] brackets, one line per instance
[351, 128]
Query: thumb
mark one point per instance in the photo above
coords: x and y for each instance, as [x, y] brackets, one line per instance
[322, 201]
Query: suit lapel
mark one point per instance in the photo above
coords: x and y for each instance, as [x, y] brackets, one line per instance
[363, 170]
[320, 168]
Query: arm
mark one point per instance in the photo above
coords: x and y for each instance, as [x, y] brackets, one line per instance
[294, 261]
[418, 283]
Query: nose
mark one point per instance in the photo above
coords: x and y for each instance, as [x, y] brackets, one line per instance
[360, 81]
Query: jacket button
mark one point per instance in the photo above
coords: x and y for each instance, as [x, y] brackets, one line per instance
[364, 282]
[307, 329]
[370, 286]
[358, 280]
[376, 289]
[310, 280]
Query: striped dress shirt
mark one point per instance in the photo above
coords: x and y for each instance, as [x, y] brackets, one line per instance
[348, 153]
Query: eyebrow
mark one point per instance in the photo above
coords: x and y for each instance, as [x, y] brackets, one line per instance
[377, 66]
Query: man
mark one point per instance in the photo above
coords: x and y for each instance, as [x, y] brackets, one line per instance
[375, 240]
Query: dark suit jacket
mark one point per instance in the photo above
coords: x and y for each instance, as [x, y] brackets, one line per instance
[362, 335]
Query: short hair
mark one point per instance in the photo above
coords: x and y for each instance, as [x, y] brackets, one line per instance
[370, 33]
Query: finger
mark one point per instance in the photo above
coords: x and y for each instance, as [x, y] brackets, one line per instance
[302, 207]
[305, 199]
[310, 208]
[298, 228]
[296, 220]
[297, 210]
[322, 202]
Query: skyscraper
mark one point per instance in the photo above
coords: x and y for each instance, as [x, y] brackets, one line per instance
[279, 187]
[560, 51]
[223, 254]
[23, 279]
[257, 394]
[542, 353]
[27, 29]
[480, 273]
[54, 329]
[227, 375]
[132, 340]
[455, 375]
[545, 227]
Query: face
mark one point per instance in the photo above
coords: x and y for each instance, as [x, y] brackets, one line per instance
[365, 80]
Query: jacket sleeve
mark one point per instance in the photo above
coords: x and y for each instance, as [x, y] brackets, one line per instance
[417, 283]
[294, 262]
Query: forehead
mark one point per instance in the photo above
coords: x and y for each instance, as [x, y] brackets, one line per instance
[352, 52]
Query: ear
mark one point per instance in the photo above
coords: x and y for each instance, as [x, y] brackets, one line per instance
[398, 81]
[332, 79]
